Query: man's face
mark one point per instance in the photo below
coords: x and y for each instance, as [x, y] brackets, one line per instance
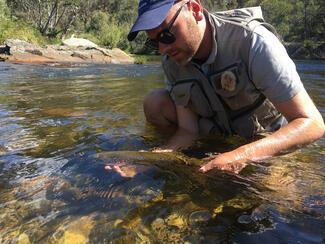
[187, 33]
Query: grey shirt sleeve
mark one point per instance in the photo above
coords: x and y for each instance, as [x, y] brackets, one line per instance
[271, 69]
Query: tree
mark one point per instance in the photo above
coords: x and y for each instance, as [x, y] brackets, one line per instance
[50, 17]
[278, 13]
[4, 11]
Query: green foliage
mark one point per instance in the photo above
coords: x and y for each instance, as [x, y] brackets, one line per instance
[4, 10]
[98, 21]
[90, 36]
[276, 12]
[107, 31]
[19, 30]
[107, 22]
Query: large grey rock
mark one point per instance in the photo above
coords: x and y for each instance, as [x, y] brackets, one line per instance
[76, 50]
[78, 42]
[20, 46]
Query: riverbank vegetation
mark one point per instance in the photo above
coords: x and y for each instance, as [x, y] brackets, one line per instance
[107, 22]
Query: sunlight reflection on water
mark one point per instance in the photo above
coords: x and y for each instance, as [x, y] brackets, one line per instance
[53, 123]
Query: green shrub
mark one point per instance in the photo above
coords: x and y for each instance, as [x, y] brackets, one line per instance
[98, 21]
[90, 36]
[107, 31]
[4, 11]
[15, 28]
[19, 30]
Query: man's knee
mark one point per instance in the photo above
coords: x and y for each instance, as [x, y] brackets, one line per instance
[159, 108]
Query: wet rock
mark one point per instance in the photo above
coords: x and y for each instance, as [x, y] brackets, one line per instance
[76, 51]
[218, 210]
[35, 52]
[118, 56]
[260, 213]
[82, 55]
[26, 58]
[78, 42]
[3, 150]
[158, 197]
[239, 203]
[118, 222]
[200, 217]
[4, 57]
[23, 239]
[192, 239]
[77, 231]
[142, 237]
[34, 208]
[158, 224]
[10, 236]
[142, 231]
[121, 235]
[178, 198]
[19, 46]
[176, 220]
[105, 233]
[244, 219]
[9, 219]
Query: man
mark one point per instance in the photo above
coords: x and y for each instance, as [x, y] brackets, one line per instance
[224, 78]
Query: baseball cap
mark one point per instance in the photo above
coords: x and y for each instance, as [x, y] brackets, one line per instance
[151, 13]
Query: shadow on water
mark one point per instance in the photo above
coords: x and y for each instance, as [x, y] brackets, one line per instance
[63, 130]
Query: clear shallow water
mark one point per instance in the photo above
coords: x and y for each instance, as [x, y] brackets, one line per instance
[53, 188]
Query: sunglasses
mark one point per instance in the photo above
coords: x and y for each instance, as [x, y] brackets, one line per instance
[165, 36]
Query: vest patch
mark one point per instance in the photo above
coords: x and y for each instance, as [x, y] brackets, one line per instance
[228, 81]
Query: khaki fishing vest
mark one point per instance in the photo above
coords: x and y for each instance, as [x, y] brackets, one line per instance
[226, 99]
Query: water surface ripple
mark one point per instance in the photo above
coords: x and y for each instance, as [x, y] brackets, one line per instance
[54, 124]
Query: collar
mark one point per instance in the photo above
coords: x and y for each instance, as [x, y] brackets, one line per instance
[213, 54]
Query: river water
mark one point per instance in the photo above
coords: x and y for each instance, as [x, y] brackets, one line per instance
[54, 188]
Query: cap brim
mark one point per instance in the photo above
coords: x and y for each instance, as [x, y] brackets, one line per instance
[150, 19]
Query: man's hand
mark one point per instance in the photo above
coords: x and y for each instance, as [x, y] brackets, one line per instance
[186, 133]
[125, 169]
[224, 161]
[305, 126]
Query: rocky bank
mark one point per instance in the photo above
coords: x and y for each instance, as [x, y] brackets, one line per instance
[308, 50]
[71, 51]
[82, 51]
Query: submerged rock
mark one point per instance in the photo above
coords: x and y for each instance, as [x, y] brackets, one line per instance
[244, 219]
[176, 220]
[3, 150]
[23, 239]
[77, 231]
[158, 224]
[200, 217]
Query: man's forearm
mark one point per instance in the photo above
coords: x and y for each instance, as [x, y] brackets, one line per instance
[297, 133]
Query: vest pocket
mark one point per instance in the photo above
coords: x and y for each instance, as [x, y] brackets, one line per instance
[247, 126]
[226, 83]
[189, 93]
[234, 86]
